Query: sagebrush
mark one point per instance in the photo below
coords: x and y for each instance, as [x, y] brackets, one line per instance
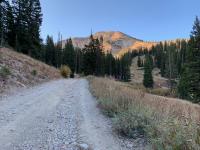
[4, 72]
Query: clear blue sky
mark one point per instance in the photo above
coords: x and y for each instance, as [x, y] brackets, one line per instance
[144, 19]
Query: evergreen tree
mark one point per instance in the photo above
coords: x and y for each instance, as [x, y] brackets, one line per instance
[4, 9]
[58, 56]
[182, 55]
[28, 19]
[78, 60]
[99, 71]
[139, 62]
[93, 57]
[109, 64]
[34, 26]
[189, 85]
[58, 52]
[158, 54]
[50, 51]
[162, 64]
[10, 25]
[125, 63]
[148, 78]
[118, 69]
[69, 55]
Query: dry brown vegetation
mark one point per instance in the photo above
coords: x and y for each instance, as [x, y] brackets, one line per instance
[23, 71]
[65, 71]
[168, 123]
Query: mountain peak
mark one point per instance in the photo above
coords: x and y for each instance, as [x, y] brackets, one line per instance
[114, 41]
[114, 35]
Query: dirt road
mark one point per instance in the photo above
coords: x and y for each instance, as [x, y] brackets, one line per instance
[59, 115]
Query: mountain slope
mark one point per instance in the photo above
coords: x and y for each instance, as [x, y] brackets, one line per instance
[116, 42]
[23, 71]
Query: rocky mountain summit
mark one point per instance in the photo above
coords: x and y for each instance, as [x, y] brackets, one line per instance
[116, 42]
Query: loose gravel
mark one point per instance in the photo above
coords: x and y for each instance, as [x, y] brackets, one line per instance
[58, 115]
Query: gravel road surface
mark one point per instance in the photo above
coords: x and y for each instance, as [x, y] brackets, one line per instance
[58, 115]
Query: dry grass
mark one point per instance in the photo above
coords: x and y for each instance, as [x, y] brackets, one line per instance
[25, 71]
[169, 123]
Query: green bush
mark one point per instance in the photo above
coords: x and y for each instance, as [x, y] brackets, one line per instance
[108, 107]
[34, 72]
[4, 72]
[65, 71]
[132, 122]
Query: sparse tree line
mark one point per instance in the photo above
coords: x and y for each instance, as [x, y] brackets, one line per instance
[179, 61]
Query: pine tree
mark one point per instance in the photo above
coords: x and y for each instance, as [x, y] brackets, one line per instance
[139, 62]
[125, 63]
[34, 26]
[58, 56]
[4, 5]
[10, 24]
[158, 55]
[78, 60]
[1, 24]
[117, 69]
[189, 85]
[109, 64]
[162, 64]
[148, 78]
[182, 55]
[22, 40]
[58, 52]
[93, 58]
[69, 55]
[50, 51]
[99, 68]
[28, 19]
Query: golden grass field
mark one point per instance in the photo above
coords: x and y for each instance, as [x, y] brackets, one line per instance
[170, 123]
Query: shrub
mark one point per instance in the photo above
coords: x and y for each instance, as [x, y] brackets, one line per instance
[34, 72]
[108, 107]
[133, 122]
[160, 91]
[4, 72]
[65, 71]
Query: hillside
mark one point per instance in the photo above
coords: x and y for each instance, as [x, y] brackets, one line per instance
[18, 70]
[155, 121]
[116, 42]
[138, 73]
